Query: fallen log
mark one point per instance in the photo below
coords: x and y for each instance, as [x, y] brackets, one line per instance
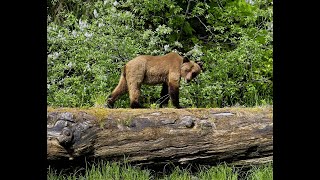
[240, 136]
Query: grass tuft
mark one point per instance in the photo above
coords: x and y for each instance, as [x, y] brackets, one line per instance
[116, 171]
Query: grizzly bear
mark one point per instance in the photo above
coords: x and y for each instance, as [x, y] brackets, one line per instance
[152, 70]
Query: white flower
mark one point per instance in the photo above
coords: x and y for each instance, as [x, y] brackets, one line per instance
[59, 35]
[88, 35]
[166, 47]
[95, 13]
[115, 3]
[250, 2]
[158, 28]
[101, 25]
[113, 9]
[178, 44]
[107, 1]
[53, 28]
[74, 33]
[54, 55]
[70, 64]
[88, 67]
[270, 26]
[82, 24]
[128, 13]
[195, 51]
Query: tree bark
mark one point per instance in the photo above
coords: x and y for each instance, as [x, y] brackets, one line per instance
[240, 136]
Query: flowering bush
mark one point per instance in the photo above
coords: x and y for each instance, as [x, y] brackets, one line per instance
[90, 41]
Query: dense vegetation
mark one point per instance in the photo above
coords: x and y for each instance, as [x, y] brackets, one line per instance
[115, 171]
[88, 42]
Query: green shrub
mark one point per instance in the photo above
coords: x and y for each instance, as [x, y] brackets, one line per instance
[88, 42]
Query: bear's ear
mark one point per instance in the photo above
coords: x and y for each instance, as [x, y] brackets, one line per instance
[185, 59]
[200, 63]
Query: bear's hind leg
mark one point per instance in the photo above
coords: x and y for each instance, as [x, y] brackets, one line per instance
[134, 94]
[117, 92]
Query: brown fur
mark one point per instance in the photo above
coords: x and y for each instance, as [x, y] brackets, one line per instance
[144, 69]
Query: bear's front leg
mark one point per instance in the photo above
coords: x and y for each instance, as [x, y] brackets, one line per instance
[174, 93]
[110, 102]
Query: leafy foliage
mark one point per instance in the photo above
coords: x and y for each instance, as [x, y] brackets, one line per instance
[90, 41]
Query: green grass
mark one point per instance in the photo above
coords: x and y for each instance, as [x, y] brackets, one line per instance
[218, 172]
[262, 173]
[115, 171]
[101, 171]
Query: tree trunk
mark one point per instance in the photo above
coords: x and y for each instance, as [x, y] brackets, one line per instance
[240, 136]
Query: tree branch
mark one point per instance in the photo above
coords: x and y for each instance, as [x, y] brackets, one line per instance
[185, 16]
[206, 28]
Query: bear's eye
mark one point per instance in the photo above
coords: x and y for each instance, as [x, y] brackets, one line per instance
[194, 75]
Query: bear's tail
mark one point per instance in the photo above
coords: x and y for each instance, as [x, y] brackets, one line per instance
[121, 88]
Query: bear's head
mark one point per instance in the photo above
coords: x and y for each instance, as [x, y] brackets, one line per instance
[190, 69]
